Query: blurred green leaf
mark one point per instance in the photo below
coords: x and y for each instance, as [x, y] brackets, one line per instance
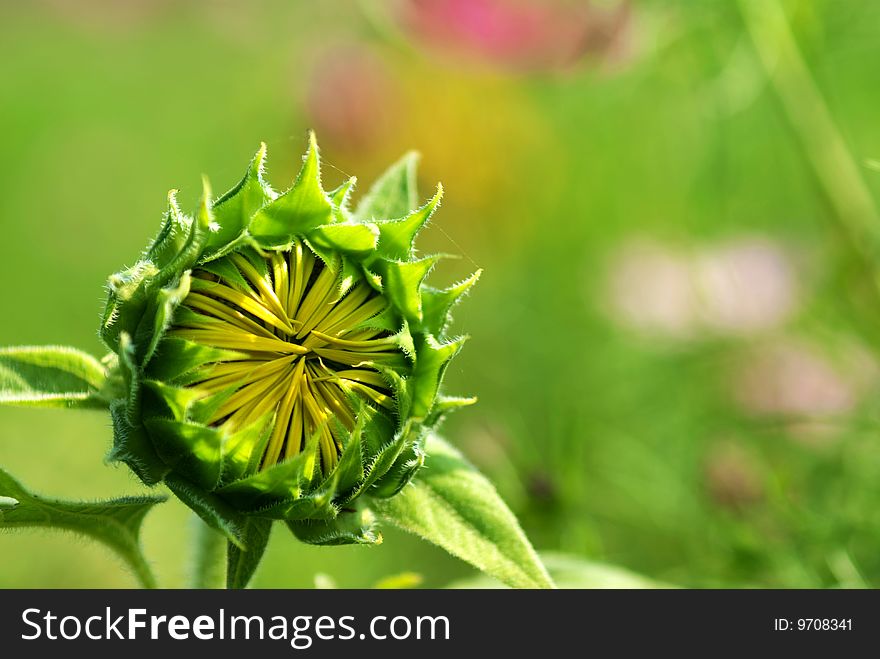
[51, 376]
[116, 523]
[570, 571]
[394, 194]
[209, 556]
[242, 563]
[454, 506]
[401, 581]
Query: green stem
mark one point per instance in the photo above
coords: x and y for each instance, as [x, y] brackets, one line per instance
[209, 556]
[826, 150]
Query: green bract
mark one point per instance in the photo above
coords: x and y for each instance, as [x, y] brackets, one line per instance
[280, 357]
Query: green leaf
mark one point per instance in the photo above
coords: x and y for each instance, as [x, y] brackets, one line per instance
[209, 554]
[454, 506]
[570, 571]
[242, 563]
[51, 376]
[394, 194]
[116, 523]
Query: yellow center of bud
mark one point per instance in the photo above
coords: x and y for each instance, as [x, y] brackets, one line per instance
[303, 350]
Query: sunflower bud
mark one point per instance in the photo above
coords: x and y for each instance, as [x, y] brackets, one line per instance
[280, 356]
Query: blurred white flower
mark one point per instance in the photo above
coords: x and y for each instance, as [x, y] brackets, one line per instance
[651, 289]
[746, 285]
[743, 286]
[811, 390]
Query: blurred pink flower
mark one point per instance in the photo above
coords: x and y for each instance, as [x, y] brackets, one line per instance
[530, 35]
[803, 386]
[351, 98]
[793, 379]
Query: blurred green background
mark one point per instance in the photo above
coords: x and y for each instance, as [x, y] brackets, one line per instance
[675, 339]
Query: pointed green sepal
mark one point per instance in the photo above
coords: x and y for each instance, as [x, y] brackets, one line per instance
[437, 303]
[133, 447]
[174, 358]
[243, 449]
[297, 211]
[350, 469]
[341, 196]
[127, 295]
[191, 449]
[401, 472]
[349, 528]
[384, 459]
[234, 210]
[168, 400]
[401, 281]
[348, 238]
[215, 512]
[446, 405]
[396, 237]
[318, 505]
[434, 357]
[280, 483]
[171, 236]
[157, 316]
[193, 246]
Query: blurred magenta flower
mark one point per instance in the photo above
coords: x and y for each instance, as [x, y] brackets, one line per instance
[521, 35]
[369, 106]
